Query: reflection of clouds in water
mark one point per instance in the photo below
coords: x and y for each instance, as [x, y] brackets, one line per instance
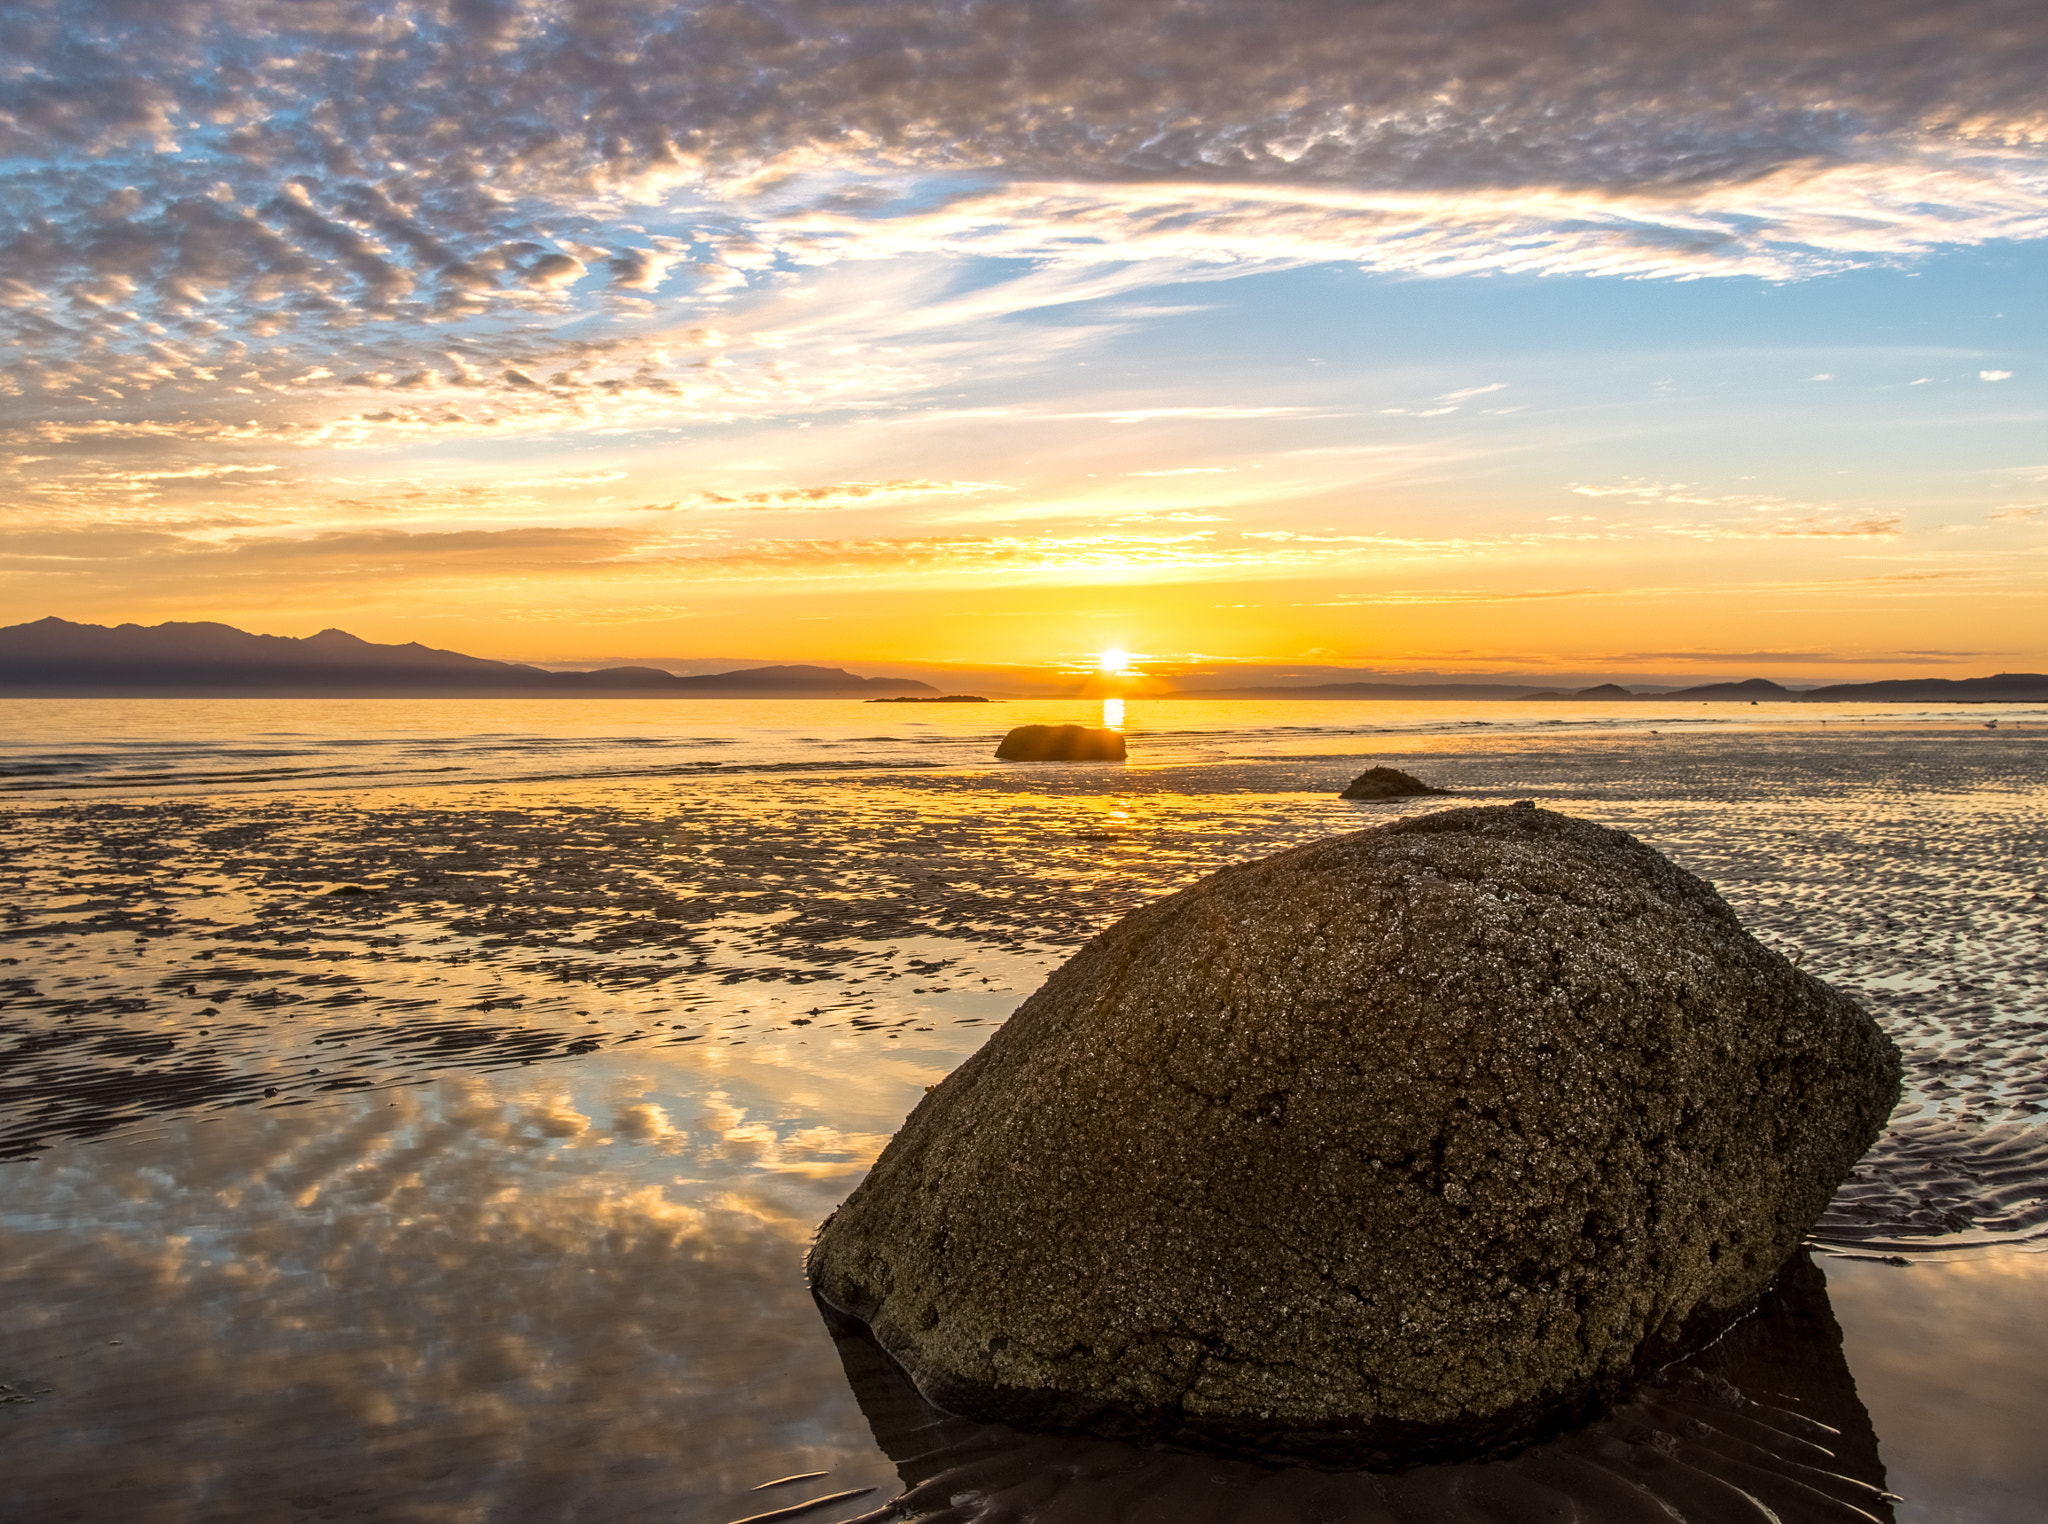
[818, 1152]
[421, 1306]
[1962, 1427]
[646, 1123]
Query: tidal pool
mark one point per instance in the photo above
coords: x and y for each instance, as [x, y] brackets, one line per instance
[483, 1194]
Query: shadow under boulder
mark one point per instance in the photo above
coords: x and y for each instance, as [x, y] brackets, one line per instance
[1061, 743]
[1767, 1419]
[1417, 1144]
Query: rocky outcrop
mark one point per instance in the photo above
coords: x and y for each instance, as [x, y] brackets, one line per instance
[1387, 783]
[1413, 1144]
[1061, 743]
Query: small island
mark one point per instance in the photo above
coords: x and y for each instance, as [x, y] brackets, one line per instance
[943, 698]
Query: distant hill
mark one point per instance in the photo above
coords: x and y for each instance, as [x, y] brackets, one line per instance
[2002, 688]
[56, 658]
[1755, 690]
[2005, 688]
[1600, 695]
[1414, 691]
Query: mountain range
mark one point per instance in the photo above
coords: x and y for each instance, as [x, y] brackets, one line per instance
[57, 658]
[2003, 688]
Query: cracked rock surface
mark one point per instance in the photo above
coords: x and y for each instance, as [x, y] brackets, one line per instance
[1414, 1144]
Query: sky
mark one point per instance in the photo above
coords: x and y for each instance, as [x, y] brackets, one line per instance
[1623, 337]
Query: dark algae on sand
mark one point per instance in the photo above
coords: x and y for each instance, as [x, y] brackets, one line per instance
[1418, 1144]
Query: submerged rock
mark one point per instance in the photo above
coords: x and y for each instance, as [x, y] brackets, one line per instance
[1414, 1144]
[1387, 783]
[1061, 743]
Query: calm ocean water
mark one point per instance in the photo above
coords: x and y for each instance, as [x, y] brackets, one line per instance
[480, 1190]
[239, 745]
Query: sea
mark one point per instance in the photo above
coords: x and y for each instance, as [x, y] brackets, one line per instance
[418, 1110]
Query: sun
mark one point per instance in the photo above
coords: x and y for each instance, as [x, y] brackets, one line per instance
[1112, 663]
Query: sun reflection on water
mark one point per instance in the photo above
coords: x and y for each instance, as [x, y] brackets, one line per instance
[1112, 714]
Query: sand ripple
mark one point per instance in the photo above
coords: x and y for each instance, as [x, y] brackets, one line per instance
[180, 955]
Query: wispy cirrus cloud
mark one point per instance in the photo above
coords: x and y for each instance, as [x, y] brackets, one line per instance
[1758, 517]
[839, 495]
[1718, 658]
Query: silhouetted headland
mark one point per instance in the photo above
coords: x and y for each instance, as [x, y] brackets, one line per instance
[59, 659]
[2002, 688]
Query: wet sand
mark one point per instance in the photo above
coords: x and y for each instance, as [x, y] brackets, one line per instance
[483, 1194]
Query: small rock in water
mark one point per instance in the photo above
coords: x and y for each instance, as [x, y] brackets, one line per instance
[1387, 783]
[1415, 1144]
[1061, 743]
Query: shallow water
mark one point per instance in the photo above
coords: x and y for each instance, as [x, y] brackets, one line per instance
[210, 747]
[483, 1194]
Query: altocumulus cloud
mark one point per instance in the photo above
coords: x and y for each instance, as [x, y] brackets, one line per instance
[212, 202]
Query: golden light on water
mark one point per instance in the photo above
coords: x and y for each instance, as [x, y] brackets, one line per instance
[1112, 714]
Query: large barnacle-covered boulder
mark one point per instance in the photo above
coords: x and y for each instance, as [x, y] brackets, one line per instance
[1414, 1144]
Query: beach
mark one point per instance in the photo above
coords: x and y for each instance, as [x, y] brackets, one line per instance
[418, 1120]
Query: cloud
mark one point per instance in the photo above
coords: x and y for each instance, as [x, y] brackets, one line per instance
[612, 565]
[567, 479]
[208, 565]
[1153, 414]
[247, 172]
[1640, 491]
[279, 227]
[1994, 375]
[1423, 597]
[2024, 513]
[1799, 658]
[841, 495]
[590, 614]
[1812, 527]
[1763, 517]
